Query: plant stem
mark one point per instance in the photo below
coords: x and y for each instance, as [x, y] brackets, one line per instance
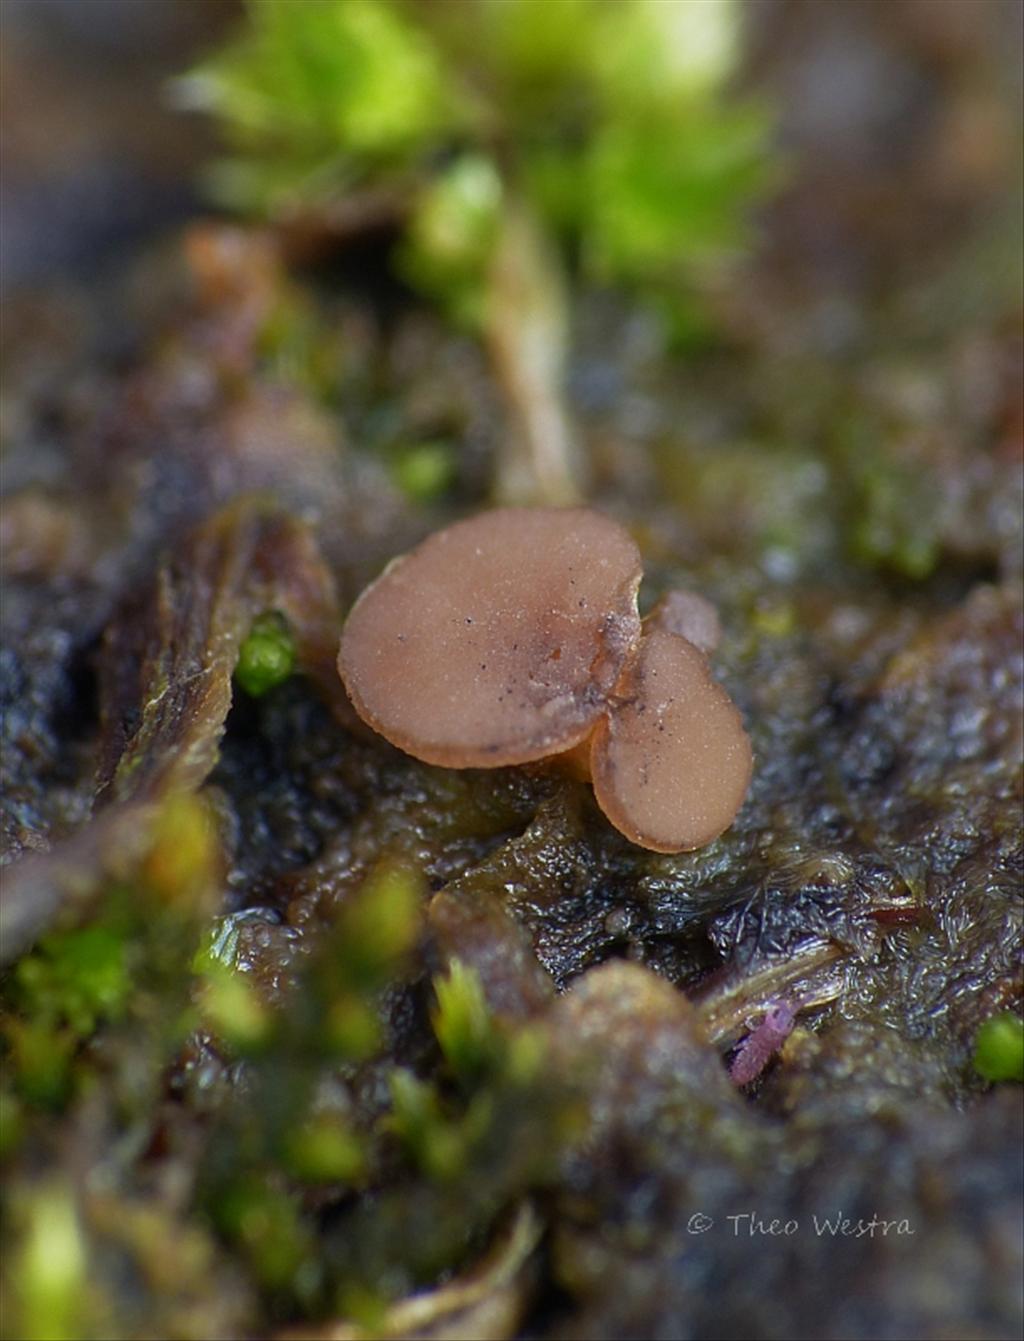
[526, 332]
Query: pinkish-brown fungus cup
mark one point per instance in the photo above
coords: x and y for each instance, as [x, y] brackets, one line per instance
[497, 640]
[670, 761]
[514, 637]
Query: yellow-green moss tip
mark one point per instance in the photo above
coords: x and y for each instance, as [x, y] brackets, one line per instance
[463, 1022]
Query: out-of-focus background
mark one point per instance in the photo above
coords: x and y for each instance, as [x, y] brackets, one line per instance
[95, 160]
[903, 119]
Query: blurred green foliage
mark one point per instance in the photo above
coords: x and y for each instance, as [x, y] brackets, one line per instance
[452, 233]
[286, 1105]
[895, 523]
[89, 1021]
[612, 119]
[447, 1150]
[48, 1278]
[892, 515]
[125, 970]
[318, 96]
[72, 982]
[425, 470]
[283, 1105]
[76, 977]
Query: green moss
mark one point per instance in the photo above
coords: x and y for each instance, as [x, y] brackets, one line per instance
[267, 656]
[314, 97]
[431, 1138]
[48, 1275]
[378, 927]
[78, 978]
[609, 121]
[325, 1150]
[658, 201]
[368, 948]
[463, 1024]
[893, 516]
[267, 1225]
[41, 1053]
[180, 876]
[999, 1048]
[452, 234]
[895, 526]
[502, 1085]
[12, 1123]
[351, 1028]
[425, 471]
[232, 1010]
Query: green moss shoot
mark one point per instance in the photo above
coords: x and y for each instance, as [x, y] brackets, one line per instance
[609, 121]
[463, 1022]
[266, 657]
[999, 1048]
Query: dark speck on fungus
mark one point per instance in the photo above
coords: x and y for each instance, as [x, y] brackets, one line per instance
[564, 676]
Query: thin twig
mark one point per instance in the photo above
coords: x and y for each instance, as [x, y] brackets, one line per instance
[526, 330]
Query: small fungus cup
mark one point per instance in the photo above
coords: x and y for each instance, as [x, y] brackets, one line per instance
[514, 637]
[670, 760]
